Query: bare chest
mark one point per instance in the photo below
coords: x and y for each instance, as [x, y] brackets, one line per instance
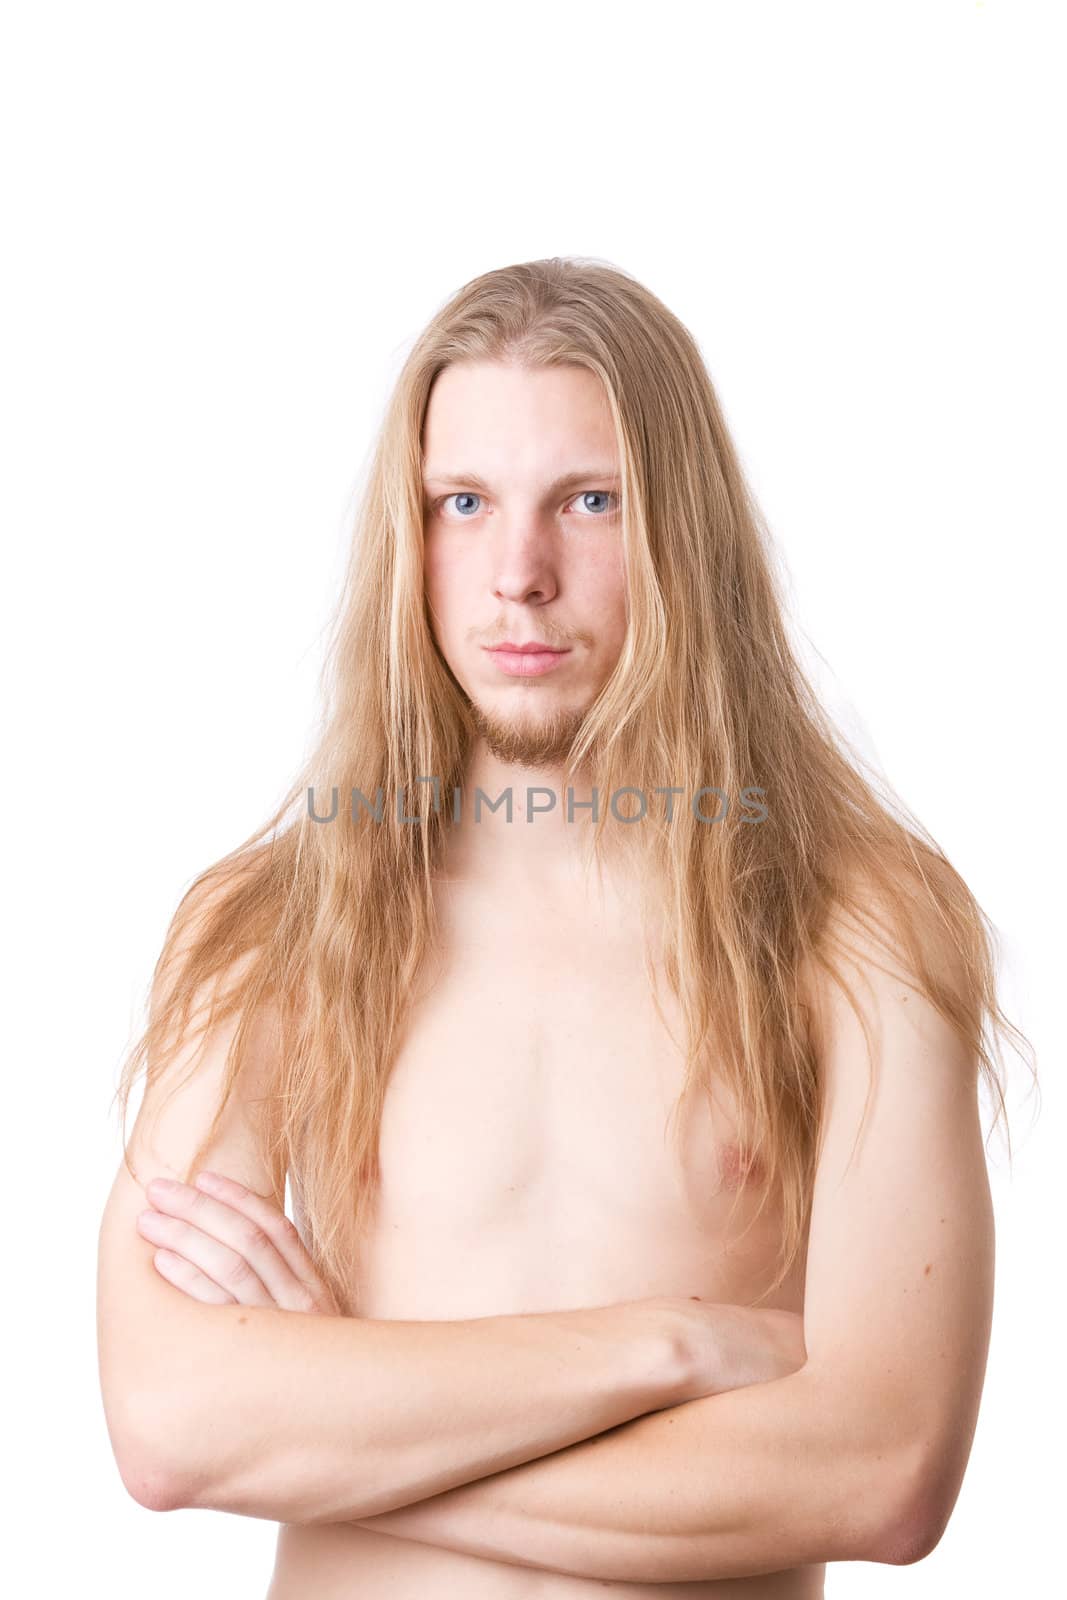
[537, 1150]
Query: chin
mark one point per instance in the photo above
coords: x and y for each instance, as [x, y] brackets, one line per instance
[535, 738]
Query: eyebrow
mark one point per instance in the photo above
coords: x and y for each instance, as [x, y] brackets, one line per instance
[472, 479]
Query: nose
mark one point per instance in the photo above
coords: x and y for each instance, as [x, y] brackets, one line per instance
[524, 566]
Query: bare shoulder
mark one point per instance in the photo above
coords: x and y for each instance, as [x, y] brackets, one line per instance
[205, 1068]
[881, 947]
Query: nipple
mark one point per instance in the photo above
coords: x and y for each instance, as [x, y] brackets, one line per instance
[738, 1166]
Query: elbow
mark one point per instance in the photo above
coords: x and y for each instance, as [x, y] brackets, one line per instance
[922, 1504]
[147, 1460]
[907, 1544]
[903, 1544]
[151, 1486]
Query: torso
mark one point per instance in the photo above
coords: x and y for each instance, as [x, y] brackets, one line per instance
[527, 1165]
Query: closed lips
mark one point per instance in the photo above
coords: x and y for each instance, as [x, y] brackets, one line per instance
[528, 649]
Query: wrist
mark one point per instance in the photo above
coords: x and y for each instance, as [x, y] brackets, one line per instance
[660, 1362]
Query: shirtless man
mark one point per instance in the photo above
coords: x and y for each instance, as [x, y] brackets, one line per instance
[548, 1370]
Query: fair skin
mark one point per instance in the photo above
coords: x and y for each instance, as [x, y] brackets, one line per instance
[523, 1156]
[524, 558]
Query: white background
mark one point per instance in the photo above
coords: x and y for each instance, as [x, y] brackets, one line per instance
[225, 224]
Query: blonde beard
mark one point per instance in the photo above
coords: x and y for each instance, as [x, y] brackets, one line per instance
[529, 741]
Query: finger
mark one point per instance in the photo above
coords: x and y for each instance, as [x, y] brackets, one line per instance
[215, 1261]
[259, 1236]
[309, 1290]
[183, 1275]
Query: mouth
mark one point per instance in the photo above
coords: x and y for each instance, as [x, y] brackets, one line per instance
[526, 660]
[532, 647]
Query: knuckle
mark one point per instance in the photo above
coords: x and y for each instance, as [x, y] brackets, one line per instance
[238, 1272]
[252, 1237]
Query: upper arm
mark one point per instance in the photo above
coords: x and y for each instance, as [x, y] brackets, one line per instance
[148, 1330]
[899, 1284]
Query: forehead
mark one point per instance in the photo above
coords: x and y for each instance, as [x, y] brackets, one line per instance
[505, 420]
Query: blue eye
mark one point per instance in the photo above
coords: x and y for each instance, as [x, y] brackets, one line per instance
[586, 494]
[597, 494]
[464, 494]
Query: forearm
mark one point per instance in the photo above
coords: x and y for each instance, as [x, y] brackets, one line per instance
[322, 1419]
[755, 1480]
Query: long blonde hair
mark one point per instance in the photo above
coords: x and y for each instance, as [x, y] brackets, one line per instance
[326, 928]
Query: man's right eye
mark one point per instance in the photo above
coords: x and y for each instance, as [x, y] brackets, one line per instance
[462, 495]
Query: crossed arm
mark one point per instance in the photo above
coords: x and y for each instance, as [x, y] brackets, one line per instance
[860, 1454]
[754, 1480]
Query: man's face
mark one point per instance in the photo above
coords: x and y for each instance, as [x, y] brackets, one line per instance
[513, 554]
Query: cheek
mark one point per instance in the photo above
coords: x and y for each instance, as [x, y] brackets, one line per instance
[604, 583]
[442, 578]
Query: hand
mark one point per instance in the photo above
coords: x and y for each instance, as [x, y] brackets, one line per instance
[226, 1245]
[732, 1346]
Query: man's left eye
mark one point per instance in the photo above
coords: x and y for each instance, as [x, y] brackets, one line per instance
[597, 494]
